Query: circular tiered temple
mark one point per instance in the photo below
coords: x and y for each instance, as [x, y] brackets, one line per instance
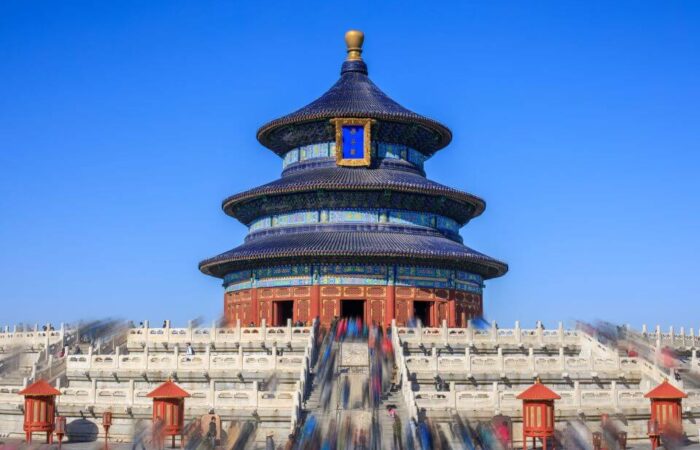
[353, 227]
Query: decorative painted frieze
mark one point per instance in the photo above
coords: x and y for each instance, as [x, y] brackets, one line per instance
[353, 274]
[399, 217]
[327, 150]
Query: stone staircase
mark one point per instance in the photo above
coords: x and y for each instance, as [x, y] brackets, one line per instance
[386, 423]
[352, 361]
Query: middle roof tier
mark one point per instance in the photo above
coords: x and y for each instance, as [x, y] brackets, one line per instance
[346, 187]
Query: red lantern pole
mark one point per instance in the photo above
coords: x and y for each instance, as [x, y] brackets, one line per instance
[60, 429]
[106, 423]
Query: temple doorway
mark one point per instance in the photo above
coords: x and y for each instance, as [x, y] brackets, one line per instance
[283, 311]
[352, 309]
[421, 311]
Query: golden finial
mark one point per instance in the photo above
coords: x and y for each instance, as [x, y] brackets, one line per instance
[354, 40]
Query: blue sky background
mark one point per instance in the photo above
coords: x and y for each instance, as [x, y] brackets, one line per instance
[124, 124]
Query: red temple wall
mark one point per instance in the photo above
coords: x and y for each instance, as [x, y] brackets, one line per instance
[454, 306]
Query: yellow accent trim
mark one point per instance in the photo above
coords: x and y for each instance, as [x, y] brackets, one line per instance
[367, 127]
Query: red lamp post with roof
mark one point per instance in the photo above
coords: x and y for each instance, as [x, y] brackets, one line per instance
[538, 413]
[666, 412]
[39, 409]
[169, 409]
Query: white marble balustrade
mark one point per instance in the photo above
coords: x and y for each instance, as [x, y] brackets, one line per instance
[491, 336]
[201, 362]
[609, 400]
[35, 339]
[9, 396]
[674, 339]
[223, 337]
[529, 364]
[128, 396]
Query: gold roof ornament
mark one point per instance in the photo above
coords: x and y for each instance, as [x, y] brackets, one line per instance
[354, 40]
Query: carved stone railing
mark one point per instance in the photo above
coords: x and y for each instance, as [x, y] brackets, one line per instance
[9, 396]
[529, 365]
[494, 400]
[207, 362]
[649, 369]
[304, 377]
[157, 338]
[674, 339]
[251, 398]
[34, 340]
[406, 385]
[493, 336]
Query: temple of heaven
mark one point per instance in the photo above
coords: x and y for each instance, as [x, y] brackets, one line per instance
[353, 228]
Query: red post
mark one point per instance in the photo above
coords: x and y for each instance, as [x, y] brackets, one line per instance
[452, 309]
[169, 409]
[538, 413]
[390, 304]
[315, 301]
[666, 412]
[254, 306]
[39, 409]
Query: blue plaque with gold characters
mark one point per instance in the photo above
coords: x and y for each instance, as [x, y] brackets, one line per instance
[353, 145]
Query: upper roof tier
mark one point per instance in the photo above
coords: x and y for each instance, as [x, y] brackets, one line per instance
[354, 96]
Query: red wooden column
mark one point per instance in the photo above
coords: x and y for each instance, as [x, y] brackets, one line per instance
[390, 304]
[538, 413]
[666, 412]
[390, 297]
[168, 410]
[451, 309]
[315, 301]
[39, 409]
[254, 307]
[315, 294]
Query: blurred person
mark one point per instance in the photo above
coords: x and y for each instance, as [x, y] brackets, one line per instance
[410, 433]
[346, 392]
[426, 443]
[397, 429]
[232, 433]
[465, 433]
[211, 433]
[610, 433]
[140, 435]
[269, 442]
[193, 434]
[672, 438]
[157, 437]
[580, 437]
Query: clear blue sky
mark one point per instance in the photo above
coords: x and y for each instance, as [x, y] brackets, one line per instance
[124, 124]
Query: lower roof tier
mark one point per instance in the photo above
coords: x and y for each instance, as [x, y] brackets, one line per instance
[310, 186]
[354, 246]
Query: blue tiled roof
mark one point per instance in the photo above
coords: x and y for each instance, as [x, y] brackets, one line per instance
[352, 179]
[358, 246]
[354, 95]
